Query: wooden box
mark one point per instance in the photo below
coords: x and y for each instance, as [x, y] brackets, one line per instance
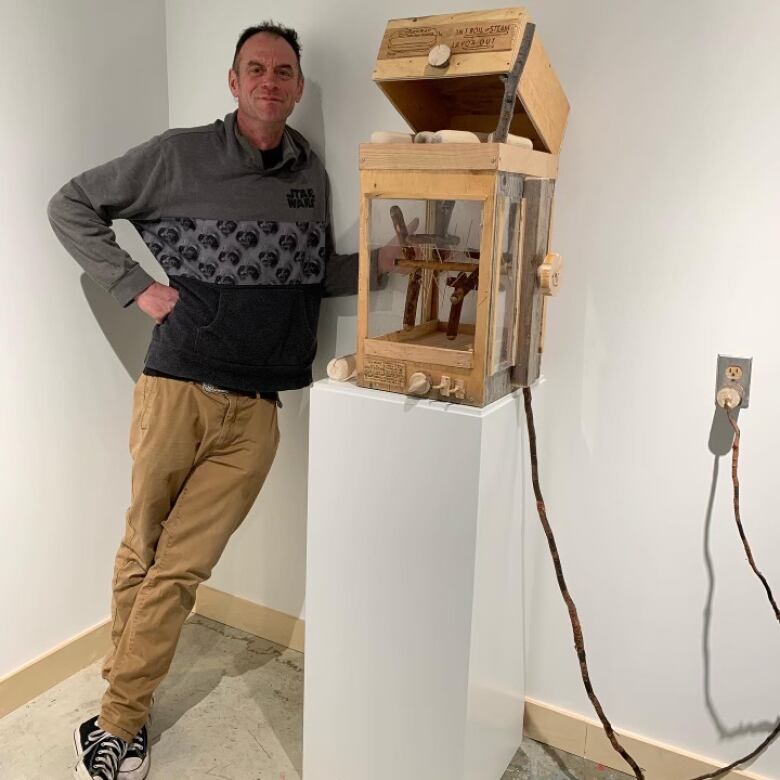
[472, 220]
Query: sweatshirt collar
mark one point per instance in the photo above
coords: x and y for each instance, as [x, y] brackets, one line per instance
[295, 149]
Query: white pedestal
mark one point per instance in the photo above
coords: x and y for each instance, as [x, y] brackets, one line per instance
[414, 608]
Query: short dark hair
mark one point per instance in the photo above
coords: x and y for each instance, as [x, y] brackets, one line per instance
[287, 33]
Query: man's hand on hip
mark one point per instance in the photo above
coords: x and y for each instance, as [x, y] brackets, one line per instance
[157, 300]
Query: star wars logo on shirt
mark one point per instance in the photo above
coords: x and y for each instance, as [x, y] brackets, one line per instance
[301, 199]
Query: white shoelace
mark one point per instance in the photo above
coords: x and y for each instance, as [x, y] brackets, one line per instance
[112, 751]
[137, 743]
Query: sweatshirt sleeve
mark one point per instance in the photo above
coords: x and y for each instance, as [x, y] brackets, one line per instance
[82, 212]
[341, 271]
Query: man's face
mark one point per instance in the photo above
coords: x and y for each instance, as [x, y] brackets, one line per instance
[268, 83]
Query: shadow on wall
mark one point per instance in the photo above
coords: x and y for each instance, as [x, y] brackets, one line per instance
[128, 331]
[721, 437]
[308, 118]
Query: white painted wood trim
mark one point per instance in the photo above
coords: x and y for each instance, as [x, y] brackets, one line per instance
[585, 737]
[59, 663]
[71, 656]
[248, 616]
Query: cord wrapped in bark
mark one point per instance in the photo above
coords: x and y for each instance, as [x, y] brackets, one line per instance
[738, 518]
[576, 626]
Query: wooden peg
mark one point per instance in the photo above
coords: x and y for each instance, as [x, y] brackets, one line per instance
[439, 56]
[342, 368]
[549, 274]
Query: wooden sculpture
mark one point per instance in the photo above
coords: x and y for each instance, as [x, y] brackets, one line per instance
[487, 117]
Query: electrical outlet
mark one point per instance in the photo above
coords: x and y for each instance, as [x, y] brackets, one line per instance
[734, 372]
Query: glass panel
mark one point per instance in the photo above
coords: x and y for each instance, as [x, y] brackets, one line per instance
[507, 242]
[433, 300]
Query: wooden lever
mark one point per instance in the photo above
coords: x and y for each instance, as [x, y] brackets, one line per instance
[399, 224]
[412, 296]
[463, 284]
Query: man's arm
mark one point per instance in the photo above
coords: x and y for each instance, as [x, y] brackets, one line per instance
[82, 212]
[341, 275]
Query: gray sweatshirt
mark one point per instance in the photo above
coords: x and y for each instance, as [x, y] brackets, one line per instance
[249, 250]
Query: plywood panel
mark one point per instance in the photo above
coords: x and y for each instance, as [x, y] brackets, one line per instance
[543, 98]
[481, 42]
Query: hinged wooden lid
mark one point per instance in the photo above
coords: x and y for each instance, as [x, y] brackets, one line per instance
[467, 91]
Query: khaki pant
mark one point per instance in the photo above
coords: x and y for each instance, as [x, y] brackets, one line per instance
[199, 461]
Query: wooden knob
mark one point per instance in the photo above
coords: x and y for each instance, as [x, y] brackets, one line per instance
[439, 55]
[550, 274]
[342, 368]
[419, 384]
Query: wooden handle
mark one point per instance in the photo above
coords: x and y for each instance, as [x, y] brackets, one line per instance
[464, 283]
[455, 137]
[412, 294]
[399, 225]
[453, 323]
[549, 274]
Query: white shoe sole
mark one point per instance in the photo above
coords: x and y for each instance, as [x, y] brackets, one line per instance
[80, 771]
[140, 772]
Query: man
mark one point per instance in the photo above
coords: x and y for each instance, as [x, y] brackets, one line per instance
[237, 213]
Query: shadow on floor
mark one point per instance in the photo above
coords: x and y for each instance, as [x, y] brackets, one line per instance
[210, 653]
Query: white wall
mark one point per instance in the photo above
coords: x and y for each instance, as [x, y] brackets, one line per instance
[667, 215]
[80, 82]
[664, 216]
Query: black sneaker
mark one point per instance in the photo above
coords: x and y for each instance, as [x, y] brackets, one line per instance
[99, 753]
[135, 765]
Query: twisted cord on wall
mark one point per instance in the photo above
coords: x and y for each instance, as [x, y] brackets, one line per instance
[735, 481]
[576, 626]
[745, 544]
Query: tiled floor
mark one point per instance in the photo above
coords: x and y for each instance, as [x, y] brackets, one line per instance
[230, 709]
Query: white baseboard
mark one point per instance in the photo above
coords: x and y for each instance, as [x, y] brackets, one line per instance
[54, 666]
[585, 737]
[545, 723]
[248, 616]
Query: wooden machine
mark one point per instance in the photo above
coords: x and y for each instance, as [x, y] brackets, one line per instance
[471, 217]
